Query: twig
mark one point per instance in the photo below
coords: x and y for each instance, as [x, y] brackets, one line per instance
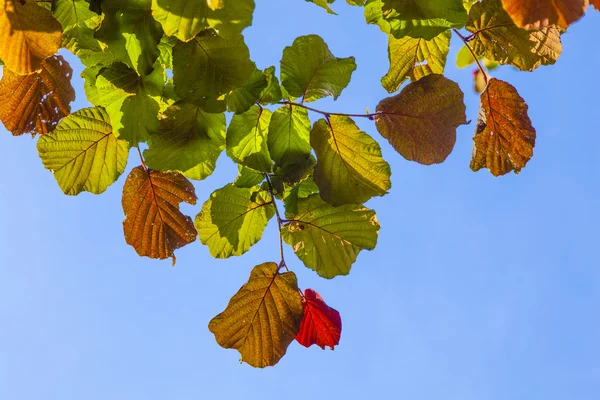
[280, 222]
[327, 114]
[466, 42]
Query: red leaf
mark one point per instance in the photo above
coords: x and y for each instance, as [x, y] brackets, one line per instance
[321, 324]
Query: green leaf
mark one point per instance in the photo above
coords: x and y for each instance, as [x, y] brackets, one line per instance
[289, 135]
[324, 4]
[263, 317]
[233, 220]
[464, 58]
[241, 99]
[209, 66]
[272, 93]
[247, 139]
[300, 191]
[190, 141]
[421, 121]
[328, 239]
[310, 71]
[83, 153]
[71, 12]
[418, 19]
[186, 19]
[131, 33]
[415, 58]
[350, 169]
[497, 38]
[248, 177]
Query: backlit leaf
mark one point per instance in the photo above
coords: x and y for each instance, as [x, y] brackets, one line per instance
[153, 224]
[247, 139]
[209, 66]
[536, 14]
[190, 141]
[464, 58]
[421, 121]
[83, 153]
[272, 93]
[496, 37]
[28, 35]
[504, 138]
[596, 4]
[262, 318]
[324, 4]
[233, 220]
[241, 99]
[321, 324]
[310, 71]
[289, 135]
[248, 178]
[185, 19]
[328, 239]
[350, 168]
[35, 103]
[415, 58]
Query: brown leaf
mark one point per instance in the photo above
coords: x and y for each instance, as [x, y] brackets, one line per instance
[596, 4]
[153, 224]
[28, 35]
[421, 121]
[35, 103]
[504, 138]
[536, 14]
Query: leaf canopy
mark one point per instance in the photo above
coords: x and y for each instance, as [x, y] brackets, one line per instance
[328, 239]
[504, 138]
[83, 153]
[262, 318]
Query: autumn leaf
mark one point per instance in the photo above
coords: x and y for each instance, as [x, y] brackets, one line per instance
[596, 4]
[415, 58]
[321, 324]
[262, 318]
[504, 138]
[496, 37]
[350, 168]
[153, 224]
[536, 14]
[83, 153]
[328, 239]
[421, 121]
[28, 35]
[35, 103]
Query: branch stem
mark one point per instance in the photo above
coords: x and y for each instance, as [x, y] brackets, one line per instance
[326, 113]
[466, 42]
[280, 222]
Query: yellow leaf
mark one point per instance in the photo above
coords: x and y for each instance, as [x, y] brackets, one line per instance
[28, 35]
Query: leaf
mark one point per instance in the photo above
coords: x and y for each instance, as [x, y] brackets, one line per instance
[190, 141]
[496, 37]
[186, 19]
[421, 121]
[423, 19]
[415, 58]
[536, 14]
[131, 33]
[289, 135]
[153, 224]
[248, 178]
[35, 103]
[310, 71]
[233, 220]
[28, 35]
[328, 239]
[350, 168]
[262, 318]
[83, 153]
[321, 324]
[596, 4]
[209, 66]
[71, 12]
[324, 4]
[247, 139]
[464, 58]
[504, 138]
[272, 93]
[300, 191]
[241, 99]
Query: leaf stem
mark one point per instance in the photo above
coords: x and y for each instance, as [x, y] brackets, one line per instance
[280, 222]
[141, 157]
[466, 42]
[328, 114]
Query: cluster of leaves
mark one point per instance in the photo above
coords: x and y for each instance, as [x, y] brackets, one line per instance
[167, 72]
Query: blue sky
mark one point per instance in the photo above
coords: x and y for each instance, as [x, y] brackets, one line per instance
[480, 288]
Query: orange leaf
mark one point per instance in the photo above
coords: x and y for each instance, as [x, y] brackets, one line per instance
[28, 35]
[504, 138]
[153, 224]
[536, 14]
[596, 4]
[35, 103]
[321, 324]
[421, 121]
